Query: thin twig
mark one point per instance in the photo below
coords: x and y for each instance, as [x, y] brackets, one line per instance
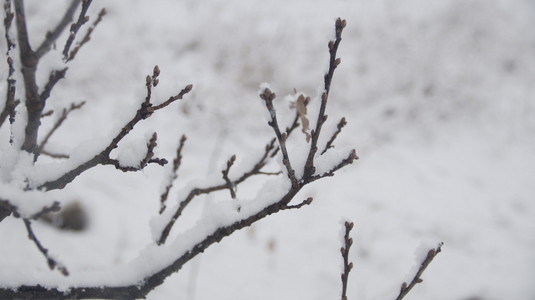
[254, 170]
[345, 256]
[11, 103]
[268, 96]
[405, 289]
[145, 111]
[52, 263]
[307, 201]
[54, 207]
[64, 114]
[147, 159]
[87, 36]
[174, 173]
[310, 169]
[230, 186]
[339, 127]
[52, 36]
[54, 77]
[54, 155]
[344, 162]
[82, 19]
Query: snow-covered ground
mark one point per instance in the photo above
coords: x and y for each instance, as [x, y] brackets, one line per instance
[439, 100]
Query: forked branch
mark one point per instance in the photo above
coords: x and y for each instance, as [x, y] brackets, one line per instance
[145, 110]
[310, 169]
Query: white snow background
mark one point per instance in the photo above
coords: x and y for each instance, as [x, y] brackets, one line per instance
[439, 100]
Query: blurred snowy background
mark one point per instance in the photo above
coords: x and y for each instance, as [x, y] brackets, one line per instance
[439, 96]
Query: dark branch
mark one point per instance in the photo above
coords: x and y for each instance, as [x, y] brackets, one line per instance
[230, 186]
[29, 63]
[54, 155]
[87, 36]
[307, 201]
[82, 19]
[54, 77]
[339, 127]
[145, 111]
[268, 96]
[10, 103]
[52, 36]
[310, 169]
[45, 210]
[174, 175]
[405, 289]
[142, 288]
[345, 256]
[52, 263]
[64, 114]
[148, 158]
[347, 161]
[254, 170]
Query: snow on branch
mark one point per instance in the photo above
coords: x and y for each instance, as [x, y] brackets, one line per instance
[222, 219]
[406, 288]
[145, 110]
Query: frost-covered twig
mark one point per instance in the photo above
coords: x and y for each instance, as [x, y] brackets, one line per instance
[256, 169]
[310, 169]
[87, 36]
[145, 111]
[406, 288]
[352, 156]
[345, 256]
[268, 96]
[64, 114]
[143, 162]
[270, 202]
[176, 164]
[52, 263]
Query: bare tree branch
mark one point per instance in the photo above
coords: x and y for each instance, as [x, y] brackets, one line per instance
[345, 256]
[54, 155]
[405, 289]
[230, 186]
[339, 127]
[87, 36]
[333, 63]
[52, 36]
[268, 96]
[307, 201]
[52, 263]
[254, 170]
[29, 63]
[141, 288]
[64, 114]
[10, 103]
[174, 175]
[82, 19]
[148, 158]
[145, 111]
